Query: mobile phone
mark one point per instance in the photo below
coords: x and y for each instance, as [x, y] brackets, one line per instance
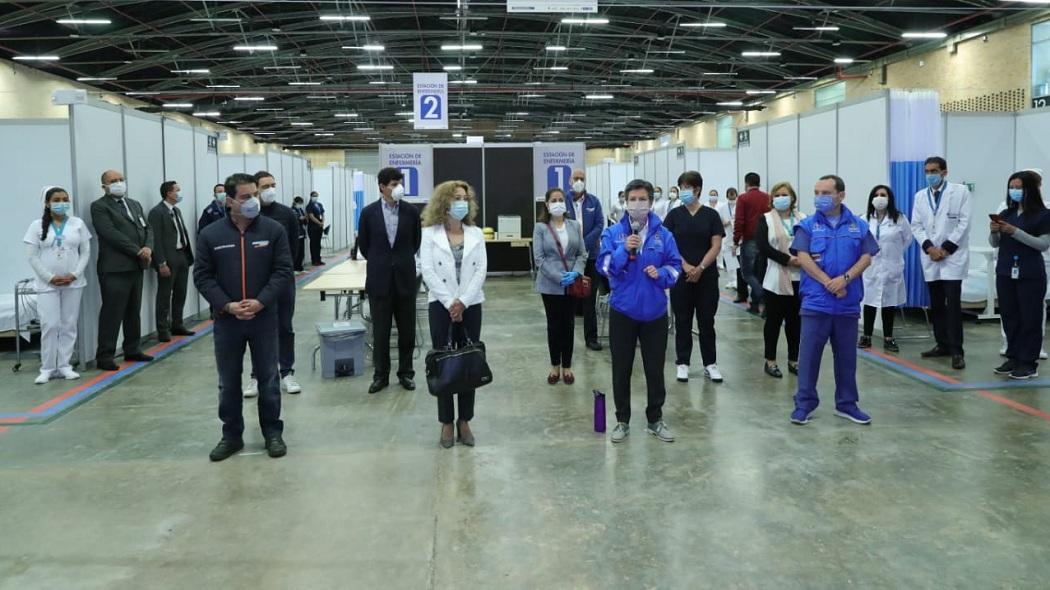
[995, 217]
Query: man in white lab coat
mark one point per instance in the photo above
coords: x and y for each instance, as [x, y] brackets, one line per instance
[941, 225]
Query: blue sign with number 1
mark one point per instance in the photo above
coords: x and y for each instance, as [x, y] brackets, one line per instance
[559, 176]
[411, 181]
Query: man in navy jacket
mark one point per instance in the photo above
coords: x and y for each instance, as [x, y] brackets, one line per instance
[588, 211]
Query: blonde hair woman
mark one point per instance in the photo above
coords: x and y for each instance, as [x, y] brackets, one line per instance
[776, 230]
[453, 259]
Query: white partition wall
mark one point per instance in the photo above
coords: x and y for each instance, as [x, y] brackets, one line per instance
[863, 149]
[286, 185]
[753, 157]
[206, 171]
[818, 154]
[33, 154]
[179, 165]
[719, 169]
[254, 163]
[783, 149]
[1031, 146]
[144, 172]
[231, 164]
[980, 150]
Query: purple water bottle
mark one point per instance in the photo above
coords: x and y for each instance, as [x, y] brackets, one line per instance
[599, 411]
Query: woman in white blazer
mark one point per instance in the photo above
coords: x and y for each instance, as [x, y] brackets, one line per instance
[560, 256]
[452, 257]
[884, 280]
[58, 247]
[776, 230]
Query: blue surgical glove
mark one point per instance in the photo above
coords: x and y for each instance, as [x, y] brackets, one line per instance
[569, 278]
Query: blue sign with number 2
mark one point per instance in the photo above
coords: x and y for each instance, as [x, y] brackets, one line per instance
[430, 107]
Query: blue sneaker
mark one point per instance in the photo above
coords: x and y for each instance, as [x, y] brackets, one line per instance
[854, 415]
[800, 416]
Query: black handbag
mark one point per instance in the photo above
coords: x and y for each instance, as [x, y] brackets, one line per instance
[457, 369]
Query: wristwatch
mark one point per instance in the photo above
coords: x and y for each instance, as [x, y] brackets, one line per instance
[847, 277]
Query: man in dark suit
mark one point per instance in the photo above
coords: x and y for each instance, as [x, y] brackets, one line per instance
[388, 236]
[315, 228]
[172, 257]
[125, 250]
[587, 210]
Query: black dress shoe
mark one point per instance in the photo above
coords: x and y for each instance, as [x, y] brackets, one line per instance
[935, 352]
[162, 337]
[138, 357]
[774, 371]
[226, 449]
[378, 385]
[793, 368]
[958, 362]
[407, 383]
[275, 447]
[740, 301]
[594, 345]
[182, 332]
[108, 365]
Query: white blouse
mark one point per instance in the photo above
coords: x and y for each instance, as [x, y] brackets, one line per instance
[54, 256]
[562, 233]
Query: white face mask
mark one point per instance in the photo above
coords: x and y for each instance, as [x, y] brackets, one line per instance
[250, 208]
[880, 203]
[557, 208]
[658, 195]
[267, 195]
[578, 186]
[118, 189]
[397, 192]
[639, 210]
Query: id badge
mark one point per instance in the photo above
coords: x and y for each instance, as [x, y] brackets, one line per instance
[1015, 273]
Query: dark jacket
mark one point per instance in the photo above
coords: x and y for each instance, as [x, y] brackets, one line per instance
[212, 213]
[165, 238]
[284, 215]
[119, 237]
[232, 266]
[593, 221]
[300, 215]
[388, 265]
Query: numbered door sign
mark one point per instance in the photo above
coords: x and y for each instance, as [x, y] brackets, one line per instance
[430, 107]
[411, 181]
[430, 101]
[559, 176]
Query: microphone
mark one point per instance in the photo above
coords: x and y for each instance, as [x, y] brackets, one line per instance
[635, 228]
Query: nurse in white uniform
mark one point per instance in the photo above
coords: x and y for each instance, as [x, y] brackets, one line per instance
[58, 247]
[884, 280]
[728, 260]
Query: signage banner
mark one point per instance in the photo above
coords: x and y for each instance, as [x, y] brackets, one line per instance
[553, 163]
[416, 162]
[559, 6]
[430, 101]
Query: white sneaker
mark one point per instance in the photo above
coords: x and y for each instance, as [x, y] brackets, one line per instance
[290, 385]
[683, 373]
[1042, 355]
[712, 373]
[68, 373]
[43, 377]
[1002, 351]
[252, 390]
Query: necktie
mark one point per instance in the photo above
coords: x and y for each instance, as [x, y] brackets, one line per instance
[183, 236]
[126, 208]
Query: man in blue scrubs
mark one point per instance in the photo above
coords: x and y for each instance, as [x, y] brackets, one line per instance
[834, 247]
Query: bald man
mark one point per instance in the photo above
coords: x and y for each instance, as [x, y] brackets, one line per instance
[125, 251]
[587, 209]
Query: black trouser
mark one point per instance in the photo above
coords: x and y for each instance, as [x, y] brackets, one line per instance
[699, 299]
[590, 314]
[946, 314]
[888, 314]
[624, 335]
[1021, 308]
[561, 325]
[748, 256]
[231, 336]
[315, 231]
[741, 286]
[782, 309]
[121, 304]
[386, 310]
[300, 254]
[171, 298]
[441, 330]
[285, 333]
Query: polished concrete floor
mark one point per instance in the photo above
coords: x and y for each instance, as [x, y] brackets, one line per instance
[947, 489]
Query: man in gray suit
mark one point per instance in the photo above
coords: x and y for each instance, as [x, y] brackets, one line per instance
[125, 250]
[172, 258]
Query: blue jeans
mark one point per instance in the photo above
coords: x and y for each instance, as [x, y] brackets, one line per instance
[748, 256]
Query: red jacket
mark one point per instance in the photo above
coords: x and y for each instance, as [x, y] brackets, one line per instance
[750, 207]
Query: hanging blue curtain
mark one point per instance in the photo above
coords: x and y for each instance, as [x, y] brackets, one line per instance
[906, 178]
[359, 201]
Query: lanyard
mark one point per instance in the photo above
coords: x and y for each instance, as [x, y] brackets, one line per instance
[58, 232]
[929, 198]
[790, 229]
[730, 210]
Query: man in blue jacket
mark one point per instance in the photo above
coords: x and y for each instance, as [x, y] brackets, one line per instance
[641, 260]
[834, 247]
[243, 267]
[588, 211]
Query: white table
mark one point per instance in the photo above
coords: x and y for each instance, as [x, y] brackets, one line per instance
[989, 254]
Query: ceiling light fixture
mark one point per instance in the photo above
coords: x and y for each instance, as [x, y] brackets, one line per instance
[324, 134]
[255, 48]
[532, 96]
[821, 29]
[925, 35]
[599, 97]
[282, 67]
[731, 103]
[463, 81]
[721, 73]
[378, 83]
[705, 25]
[90, 79]
[557, 48]
[263, 132]
[637, 71]
[366, 47]
[375, 67]
[760, 54]
[223, 86]
[84, 21]
[194, 71]
[753, 92]
[305, 83]
[584, 21]
[466, 47]
[178, 105]
[345, 18]
[801, 78]
[552, 69]
[301, 124]
[215, 20]
[249, 98]
[843, 60]
[346, 115]
[453, 68]
[140, 93]
[270, 110]
[207, 114]
[36, 58]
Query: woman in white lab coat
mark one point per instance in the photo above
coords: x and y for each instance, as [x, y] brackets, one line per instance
[58, 247]
[884, 280]
[729, 261]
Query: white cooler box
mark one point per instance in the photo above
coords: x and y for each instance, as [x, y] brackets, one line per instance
[342, 348]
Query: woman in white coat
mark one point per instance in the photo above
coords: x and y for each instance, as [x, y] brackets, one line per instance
[728, 260]
[58, 247]
[884, 280]
[453, 259]
[776, 230]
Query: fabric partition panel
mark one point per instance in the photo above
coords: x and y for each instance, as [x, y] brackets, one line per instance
[692, 162]
[863, 150]
[97, 145]
[782, 139]
[915, 134]
[980, 150]
[509, 171]
[1031, 145]
[752, 158]
[230, 165]
[468, 165]
[273, 166]
[286, 183]
[818, 154]
[663, 177]
[144, 172]
[619, 176]
[254, 163]
[179, 164]
[719, 169]
[33, 154]
[206, 173]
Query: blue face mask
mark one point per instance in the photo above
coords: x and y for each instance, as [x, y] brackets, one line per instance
[178, 197]
[686, 197]
[1016, 195]
[459, 209]
[933, 180]
[782, 203]
[60, 208]
[824, 203]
